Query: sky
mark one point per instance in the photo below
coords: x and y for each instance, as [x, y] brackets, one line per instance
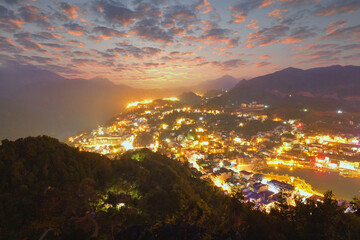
[172, 43]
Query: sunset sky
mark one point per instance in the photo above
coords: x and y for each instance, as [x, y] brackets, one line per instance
[159, 43]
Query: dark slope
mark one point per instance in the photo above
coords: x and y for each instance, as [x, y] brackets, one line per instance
[47, 186]
[334, 84]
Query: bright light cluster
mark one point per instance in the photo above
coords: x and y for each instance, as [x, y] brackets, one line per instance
[134, 104]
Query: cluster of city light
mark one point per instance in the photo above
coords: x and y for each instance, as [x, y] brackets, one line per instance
[194, 144]
[171, 99]
[221, 184]
[334, 139]
[128, 144]
[134, 104]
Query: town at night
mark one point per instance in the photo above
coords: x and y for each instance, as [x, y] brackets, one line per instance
[180, 119]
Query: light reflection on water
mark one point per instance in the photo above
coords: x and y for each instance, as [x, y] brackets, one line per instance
[342, 187]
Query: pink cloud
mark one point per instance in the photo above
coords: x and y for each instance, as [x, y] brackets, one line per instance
[266, 3]
[252, 24]
[69, 10]
[290, 39]
[261, 64]
[238, 18]
[277, 13]
[264, 57]
[334, 26]
[338, 7]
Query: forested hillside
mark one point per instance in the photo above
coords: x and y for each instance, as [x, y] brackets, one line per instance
[49, 190]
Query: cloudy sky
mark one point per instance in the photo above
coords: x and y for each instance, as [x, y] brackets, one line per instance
[168, 43]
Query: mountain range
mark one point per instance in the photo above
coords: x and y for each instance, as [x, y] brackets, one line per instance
[334, 84]
[35, 101]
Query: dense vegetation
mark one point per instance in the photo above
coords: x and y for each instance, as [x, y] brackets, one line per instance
[51, 190]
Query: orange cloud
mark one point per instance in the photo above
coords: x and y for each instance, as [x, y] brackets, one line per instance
[252, 24]
[238, 18]
[17, 22]
[75, 32]
[264, 57]
[266, 3]
[261, 64]
[69, 10]
[333, 26]
[202, 4]
[341, 7]
[208, 9]
[277, 13]
[290, 39]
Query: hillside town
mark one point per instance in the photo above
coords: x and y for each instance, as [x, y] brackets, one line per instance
[229, 146]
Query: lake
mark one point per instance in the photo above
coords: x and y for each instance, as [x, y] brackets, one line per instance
[343, 187]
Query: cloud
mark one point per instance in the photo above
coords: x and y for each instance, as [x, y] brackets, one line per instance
[277, 13]
[314, 46]
[318, 54]
[252, 24]
[201, 4]
[108, 33]
[48, 35]
[176, 53]
[76, 42]
[238, 18]
[11, 2]
[55, 46]
[266, 3]
[83, 62]
[352, 33]
[241, 10]
[216, 35]
[338, 7]
[149, 10]
[115, 12]
[261, 64]
[334, 26]
[69, 10]
[75, 29]
[149, 29]
[298, 35]
[33, 14]
[37, 59]
[7, 45]
[267, 36]
[179, 16]
[264, 56]
[229, 65]
[127, 50]
[25, 40]
[204, 5]
[355, 46]
[298, 2]
[8, 20]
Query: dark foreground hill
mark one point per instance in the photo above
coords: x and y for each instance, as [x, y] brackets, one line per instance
[323, 87]
[49, 190]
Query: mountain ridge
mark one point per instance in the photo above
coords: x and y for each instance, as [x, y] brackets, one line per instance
[341, 83]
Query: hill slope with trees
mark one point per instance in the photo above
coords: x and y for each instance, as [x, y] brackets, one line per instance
[49, 190]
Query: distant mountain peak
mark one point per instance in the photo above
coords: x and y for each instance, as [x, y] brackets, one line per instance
[101, 80]
[225, 82]
[227, 76]
[339, 82]
[288, 69]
